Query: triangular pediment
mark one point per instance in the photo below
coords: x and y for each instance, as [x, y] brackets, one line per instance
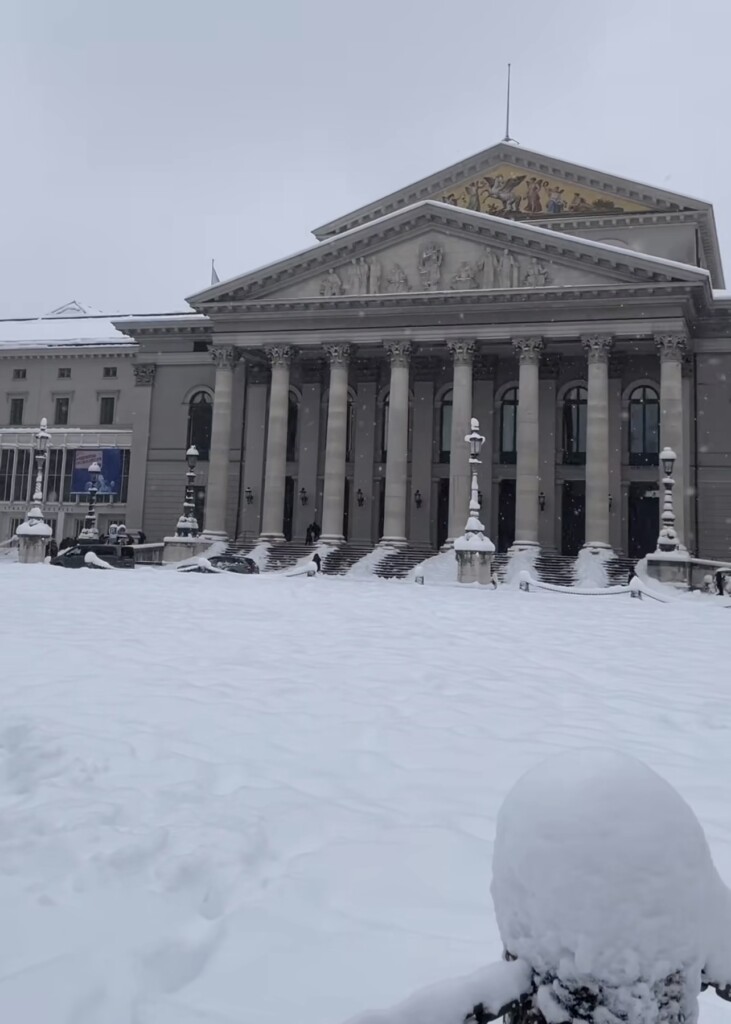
[433, 247]
[509, 181]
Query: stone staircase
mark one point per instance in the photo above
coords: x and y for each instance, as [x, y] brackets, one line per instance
[618, 570]
[401, 561]
[286, 555]
[343, 558]
[500, 564]
[556, 569]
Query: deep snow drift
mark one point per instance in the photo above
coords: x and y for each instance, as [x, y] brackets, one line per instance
[247, 800]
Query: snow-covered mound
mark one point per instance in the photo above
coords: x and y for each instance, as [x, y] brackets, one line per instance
[277, 802]
[602, 873]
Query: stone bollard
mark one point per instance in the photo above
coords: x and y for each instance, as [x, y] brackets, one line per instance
[608, 903]
[33, 537]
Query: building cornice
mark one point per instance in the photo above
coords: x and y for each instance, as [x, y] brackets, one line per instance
[121, 350]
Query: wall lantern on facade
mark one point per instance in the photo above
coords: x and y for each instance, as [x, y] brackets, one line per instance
[418, 500]
[360, 498]
[542, 501]
[611, 502]
[249, 495]
[303, 495]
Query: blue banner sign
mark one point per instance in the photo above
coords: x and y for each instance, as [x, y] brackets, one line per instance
[110, 462]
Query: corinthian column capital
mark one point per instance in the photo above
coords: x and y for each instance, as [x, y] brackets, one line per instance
[597, 347]
[338, 354]
[528, 350]
[672, 347]
[462, 349]
[279, 355]
[399, 351]
[225, 356]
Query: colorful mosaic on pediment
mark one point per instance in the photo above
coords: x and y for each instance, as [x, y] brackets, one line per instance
[509, 192]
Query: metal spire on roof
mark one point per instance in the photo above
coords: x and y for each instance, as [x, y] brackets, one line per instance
[508, 137]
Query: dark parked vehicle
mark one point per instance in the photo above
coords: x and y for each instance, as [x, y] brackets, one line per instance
[224, 563]
[119, 556]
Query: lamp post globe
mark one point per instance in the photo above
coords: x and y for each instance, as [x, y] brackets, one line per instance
[667, 458]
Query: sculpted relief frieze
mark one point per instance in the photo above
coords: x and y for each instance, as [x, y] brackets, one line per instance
[437, 269]
[439, 262]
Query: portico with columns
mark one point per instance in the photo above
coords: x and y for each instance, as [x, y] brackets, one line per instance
[343, 379]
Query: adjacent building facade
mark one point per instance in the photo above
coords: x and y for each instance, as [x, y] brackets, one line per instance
[579, 316]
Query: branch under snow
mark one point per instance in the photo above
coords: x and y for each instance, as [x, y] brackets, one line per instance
[448, 1002]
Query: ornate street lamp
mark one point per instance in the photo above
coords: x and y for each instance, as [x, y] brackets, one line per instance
[188, 524]
[668, 538]
[475, 440]
[42, 439]
[90, 533]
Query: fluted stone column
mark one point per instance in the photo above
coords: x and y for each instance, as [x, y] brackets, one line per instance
[397, 455]
[336, 439]
[225, 357]
[275, 469]
[672, 349]
[597, 348]
[463, 350]
[527, 469]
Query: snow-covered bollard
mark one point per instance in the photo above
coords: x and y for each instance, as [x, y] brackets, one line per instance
[608, 903]
[33, 536]
[603, 883]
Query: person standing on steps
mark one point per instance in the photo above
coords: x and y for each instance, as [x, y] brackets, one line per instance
[315, 530]
[308, 536]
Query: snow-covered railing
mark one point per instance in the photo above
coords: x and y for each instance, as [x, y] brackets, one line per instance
[608, 903]
[635, 589]
[148, 554]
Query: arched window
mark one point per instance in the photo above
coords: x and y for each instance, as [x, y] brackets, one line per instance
[445, 428]
[644, 426]
[509, 426]
[200, 419]
[292, 427]
[574, 426]
[350, 430]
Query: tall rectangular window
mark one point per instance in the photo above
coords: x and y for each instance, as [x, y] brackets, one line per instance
[22, 474]
[106, 411]
[55, 468]
[61, 413]
[16, 412]
[6, 472]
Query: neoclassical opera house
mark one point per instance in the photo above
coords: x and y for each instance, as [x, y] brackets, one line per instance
[578, 315]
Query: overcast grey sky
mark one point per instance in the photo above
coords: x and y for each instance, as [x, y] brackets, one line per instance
[143, 137]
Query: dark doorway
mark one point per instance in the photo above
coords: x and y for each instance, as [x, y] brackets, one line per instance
[644, 519]
[506, 515]
[288, 507]
[346, 508]
[381, 485]
[200, 505]
[443, 511]
[573, 516]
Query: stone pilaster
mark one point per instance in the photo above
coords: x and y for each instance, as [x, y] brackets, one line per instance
[144, 374]
[527, 469]
[421, 462]
[672, 349]
[225, 357]
[463, 351]
[397, 455]
[597, 348]
[275, 470]
[335, 444]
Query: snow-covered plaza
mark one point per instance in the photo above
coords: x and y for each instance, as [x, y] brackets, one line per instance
[251, 800]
